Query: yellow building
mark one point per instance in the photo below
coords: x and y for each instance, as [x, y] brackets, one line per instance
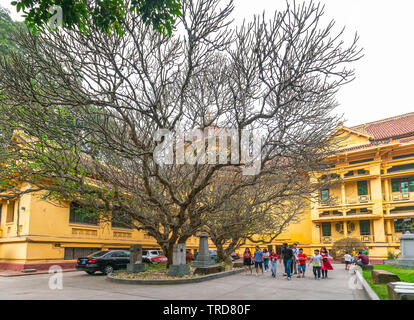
[376, 194]
[375, 199]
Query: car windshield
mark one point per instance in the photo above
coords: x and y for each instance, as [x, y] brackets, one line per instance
[155, 253]
[98, 254]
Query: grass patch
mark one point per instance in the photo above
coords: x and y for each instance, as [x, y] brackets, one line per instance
[406, 275]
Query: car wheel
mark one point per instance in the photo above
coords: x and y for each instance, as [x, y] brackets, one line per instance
[108, 269]
[90, 272]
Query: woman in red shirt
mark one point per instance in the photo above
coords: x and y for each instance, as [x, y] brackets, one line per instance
[247, 261]
[273, 262]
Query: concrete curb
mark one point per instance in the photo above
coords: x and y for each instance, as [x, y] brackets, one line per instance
[174, 281]
[6, 275]
[371, 293]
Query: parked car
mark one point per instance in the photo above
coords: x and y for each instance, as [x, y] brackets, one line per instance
[213, 254]
[235, 256]
[153, 256]
[189, 256]
[103, 261]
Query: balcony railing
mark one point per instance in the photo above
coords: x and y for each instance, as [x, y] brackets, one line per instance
[358, 199]
[395, 238]
[330, 239]
[367, 238]
[330, 202]
[402, 196]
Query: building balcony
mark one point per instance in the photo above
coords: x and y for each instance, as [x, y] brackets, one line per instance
[395, 238]
[364, 239]
[330, 202]
[401, 196]
[358, 199]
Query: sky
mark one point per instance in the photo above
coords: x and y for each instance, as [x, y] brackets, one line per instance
[383, 86]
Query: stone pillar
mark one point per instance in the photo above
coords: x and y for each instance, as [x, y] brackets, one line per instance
[386, 190]
[343, 201]
[407, 250]
[203, 258]
[179, 266]
[346, 229]
[388, 230]
[135, 259]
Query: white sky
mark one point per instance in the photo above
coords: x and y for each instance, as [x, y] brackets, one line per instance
[383, 86]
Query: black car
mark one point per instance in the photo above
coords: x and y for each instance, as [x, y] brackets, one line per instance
[104, 261]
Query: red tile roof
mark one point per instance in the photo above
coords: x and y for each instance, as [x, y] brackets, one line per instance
[395, 127]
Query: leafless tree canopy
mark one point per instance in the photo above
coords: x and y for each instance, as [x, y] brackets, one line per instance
[83, 111]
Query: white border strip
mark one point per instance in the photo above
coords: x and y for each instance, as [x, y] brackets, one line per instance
[371, 293]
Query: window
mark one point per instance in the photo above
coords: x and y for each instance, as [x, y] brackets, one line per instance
[81, 215]
[401, 167]
[10, 212]
[362, 172]
[326, 229]
[362, 210]
[362, 188]
[364, 228]
[325, 194]
[398, 225]
[361, 161]
[75, 253]
[349, 174]
[121, 220]
[404, 185]
[395, 186]
[403, 156]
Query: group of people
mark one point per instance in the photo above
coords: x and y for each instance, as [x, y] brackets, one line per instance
[294, 261]
[359, 258]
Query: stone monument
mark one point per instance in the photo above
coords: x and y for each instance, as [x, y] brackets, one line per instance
[407, 250]
[179, 266]
[135, 260]
[203, 258]
[204, 264]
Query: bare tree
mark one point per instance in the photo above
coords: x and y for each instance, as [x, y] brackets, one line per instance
[83, 111]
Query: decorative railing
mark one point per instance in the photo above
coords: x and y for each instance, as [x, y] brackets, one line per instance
[332, 201]
[395, 238]
[326, 240]
[358, 199]
[401, 196]
[367, 238]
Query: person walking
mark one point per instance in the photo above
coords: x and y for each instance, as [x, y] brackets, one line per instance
[273, 262]
[316, 261]
[326, 264]
[294, 268]
[258, 260]
[287, 256]
[301, 263]
[266, 260]
[348, 260]
[247, 261]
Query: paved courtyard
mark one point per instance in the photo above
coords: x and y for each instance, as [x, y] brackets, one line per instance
[79, 285]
